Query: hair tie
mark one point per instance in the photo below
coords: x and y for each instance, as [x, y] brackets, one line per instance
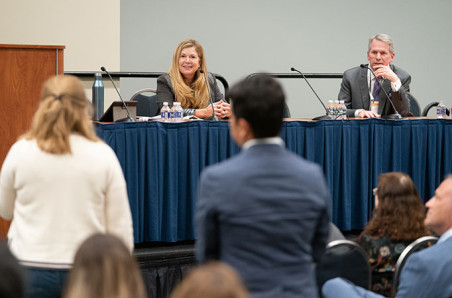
[57, 97]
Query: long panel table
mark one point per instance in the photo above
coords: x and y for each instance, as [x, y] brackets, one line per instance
[162, 163]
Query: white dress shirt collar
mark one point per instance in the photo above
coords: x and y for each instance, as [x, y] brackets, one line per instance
[445, 235]
[253, 142]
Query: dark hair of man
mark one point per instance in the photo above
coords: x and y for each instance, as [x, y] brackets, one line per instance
[260, 101]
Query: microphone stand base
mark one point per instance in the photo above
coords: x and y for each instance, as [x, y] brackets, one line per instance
[392, 116]
[323, 117]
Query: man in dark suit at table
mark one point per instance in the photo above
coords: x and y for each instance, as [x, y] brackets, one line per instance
[359, 86]
[427, 273]
[265, 210]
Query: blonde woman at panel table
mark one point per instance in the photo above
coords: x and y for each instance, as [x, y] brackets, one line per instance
[186, 83]
[59, 184]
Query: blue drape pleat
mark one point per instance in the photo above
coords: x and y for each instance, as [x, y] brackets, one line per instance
[162, 163]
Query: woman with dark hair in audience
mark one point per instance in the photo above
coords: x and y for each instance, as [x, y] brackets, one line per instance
[59, 184]
[212, 280]
[186, 83]
[104, 268]
[398, 219]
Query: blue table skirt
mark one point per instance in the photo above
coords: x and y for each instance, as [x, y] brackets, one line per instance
[162, 163]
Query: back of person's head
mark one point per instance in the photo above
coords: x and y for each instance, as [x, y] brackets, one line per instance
[400, 212]
[12, 274]
[104, 268]
[64, 109]
[212, 280]
[260, 101]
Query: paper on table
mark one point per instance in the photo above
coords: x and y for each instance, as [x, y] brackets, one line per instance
[156, 118]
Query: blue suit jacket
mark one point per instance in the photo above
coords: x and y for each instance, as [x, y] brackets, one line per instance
[355, 92]
[264, 212]
[426, 274]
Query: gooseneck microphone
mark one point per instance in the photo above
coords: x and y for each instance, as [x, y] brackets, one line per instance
[323, 117]
[128, 118]
[215, 117]
[390, 116]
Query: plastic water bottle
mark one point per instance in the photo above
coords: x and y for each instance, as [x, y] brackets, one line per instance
[178, 112]
[336, 109]
[440, 110]
[165, 112]
[329, 108]
[341, 110]
[98, 96]
[374, 106]
[171, 113]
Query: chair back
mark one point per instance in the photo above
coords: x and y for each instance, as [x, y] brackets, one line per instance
[146, 104]
[415, 246]
[415, 108]
[334, 233]
[346, 259]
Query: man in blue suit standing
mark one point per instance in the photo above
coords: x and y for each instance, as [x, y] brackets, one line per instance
[265, 210]
[427, 273]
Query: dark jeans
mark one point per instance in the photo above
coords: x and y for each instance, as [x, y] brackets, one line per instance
[45, 283]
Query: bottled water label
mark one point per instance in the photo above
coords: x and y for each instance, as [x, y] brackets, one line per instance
[440, 112]
[176, 113]
[164, 115]
[178, 116]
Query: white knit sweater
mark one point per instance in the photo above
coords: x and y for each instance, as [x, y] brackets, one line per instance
[57, 201]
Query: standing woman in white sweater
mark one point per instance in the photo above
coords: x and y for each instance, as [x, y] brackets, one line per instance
[59, 184]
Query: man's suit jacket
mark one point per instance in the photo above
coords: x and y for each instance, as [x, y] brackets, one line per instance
[265, 212]
[426, 274]
[355, 92]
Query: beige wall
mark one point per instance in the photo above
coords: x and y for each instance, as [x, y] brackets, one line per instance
[90, 30]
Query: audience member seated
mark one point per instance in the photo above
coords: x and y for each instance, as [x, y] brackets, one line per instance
[427, 273]
[212, 280]
[104, 268]
[59, 184]
[11, 274]
[398, 219]
[186, 83]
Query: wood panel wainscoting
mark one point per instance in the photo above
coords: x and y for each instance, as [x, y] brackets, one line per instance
[23, 70]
